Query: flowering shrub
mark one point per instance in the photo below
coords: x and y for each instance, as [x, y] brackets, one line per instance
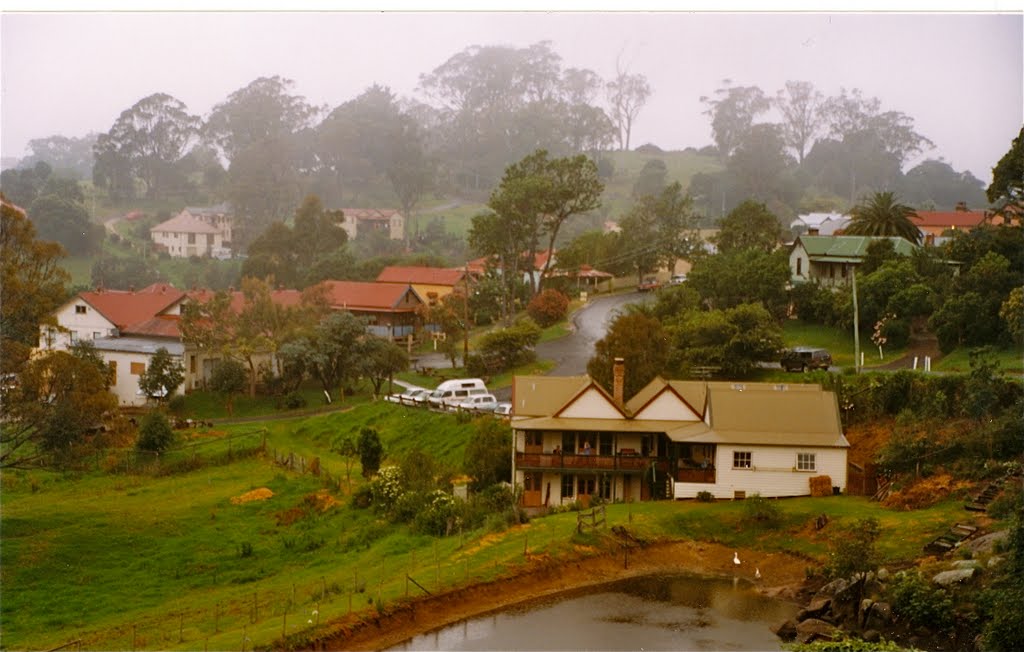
[441, 514]
[548, 307]
[387, 488]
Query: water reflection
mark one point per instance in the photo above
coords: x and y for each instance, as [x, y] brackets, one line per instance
[676, 612]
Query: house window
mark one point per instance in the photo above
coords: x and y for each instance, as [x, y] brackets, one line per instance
[604, 443]
[799, 266]
[209, 239]
[74, 337]
[138, 368]
[568, 442]
[191, 238]
[604, 487]
[831, 271]
[585, 485]
[805, 462]
[191, 364]
[567, 484]
[741, 459]
[79, 310]
[844, 270]
[96, 335]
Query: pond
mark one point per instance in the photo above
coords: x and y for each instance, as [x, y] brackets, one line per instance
[664, 612]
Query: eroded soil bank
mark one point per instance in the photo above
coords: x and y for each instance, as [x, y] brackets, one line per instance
[782, 576]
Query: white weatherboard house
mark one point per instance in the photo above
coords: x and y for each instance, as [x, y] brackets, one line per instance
[196, 231]
[674, 439]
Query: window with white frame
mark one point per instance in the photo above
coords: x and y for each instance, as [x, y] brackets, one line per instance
[805, 462]
[741, 459]
[79, 310]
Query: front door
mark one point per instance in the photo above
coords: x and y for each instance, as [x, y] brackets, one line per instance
[585, 488]
[534, 441]
[532, 490]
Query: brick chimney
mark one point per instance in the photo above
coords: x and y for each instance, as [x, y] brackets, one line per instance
[618, 379]
[961, 206]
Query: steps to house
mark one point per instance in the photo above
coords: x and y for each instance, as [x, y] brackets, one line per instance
[952, 539]
[979, 502]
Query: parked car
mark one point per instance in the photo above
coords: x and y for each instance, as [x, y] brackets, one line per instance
[648, 284]
[452, 391]
[503, 410]
[411, 396]
[479, 403]
[802, 358]
[677, 279]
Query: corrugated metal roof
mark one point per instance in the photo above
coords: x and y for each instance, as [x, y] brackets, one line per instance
[848, 246]
[535, 396]
[357, 295]
[185, 223]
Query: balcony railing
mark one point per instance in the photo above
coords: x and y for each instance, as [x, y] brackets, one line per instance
[696, 475]
[559, 461]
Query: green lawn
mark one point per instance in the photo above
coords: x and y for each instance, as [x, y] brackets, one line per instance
[1009, 360]
[172, 562]
[839, 343]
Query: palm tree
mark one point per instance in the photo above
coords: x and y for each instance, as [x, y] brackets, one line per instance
[882, 215]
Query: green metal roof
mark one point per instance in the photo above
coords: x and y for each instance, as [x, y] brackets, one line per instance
[850, 248]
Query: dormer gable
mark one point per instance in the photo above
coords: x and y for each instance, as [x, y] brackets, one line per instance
[591, 402]
[668, 405]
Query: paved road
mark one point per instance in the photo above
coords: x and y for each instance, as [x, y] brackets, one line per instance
[589, 324]
[572, 352]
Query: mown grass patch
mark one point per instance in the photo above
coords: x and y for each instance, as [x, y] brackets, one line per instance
[839, 343]
[1008, 360]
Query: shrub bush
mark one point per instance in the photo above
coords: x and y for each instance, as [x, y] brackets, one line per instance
[705, 497]
[549, 307]
[294, 401]
[761, 512]
[922, 604]
[852, 548]
[155, 434]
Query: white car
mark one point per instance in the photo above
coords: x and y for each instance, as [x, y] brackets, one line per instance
[479, 403]
[411, 396]
[503, 410]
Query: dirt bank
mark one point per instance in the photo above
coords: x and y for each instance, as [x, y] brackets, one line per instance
[781, 576]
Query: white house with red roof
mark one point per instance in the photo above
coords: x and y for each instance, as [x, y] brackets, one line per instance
[126, 327]
[360, 221]
[933, 224]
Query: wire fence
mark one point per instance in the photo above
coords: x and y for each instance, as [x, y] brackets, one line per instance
[260, 617]
[194, 455]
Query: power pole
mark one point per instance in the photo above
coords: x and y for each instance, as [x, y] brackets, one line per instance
[856, 320]
[465, 316]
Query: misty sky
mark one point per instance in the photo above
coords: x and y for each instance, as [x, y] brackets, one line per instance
[958, 75]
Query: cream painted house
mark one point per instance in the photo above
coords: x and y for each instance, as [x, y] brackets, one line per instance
[674, 439]
[361, 221]
[195, 232]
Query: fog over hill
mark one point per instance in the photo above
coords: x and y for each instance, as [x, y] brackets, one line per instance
[958, 76]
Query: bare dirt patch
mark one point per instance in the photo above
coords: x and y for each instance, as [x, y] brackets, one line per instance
[925, 492]
[782, 575]
[256, 494]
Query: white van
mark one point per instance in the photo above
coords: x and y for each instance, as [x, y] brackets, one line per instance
[453, 391]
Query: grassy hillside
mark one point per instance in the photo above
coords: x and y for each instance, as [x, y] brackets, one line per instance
[172, 562]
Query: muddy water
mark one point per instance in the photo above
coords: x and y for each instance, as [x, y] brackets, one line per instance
[649, 613]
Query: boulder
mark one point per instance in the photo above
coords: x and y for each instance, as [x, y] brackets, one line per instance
[965, 563]
[813, 629]
[786, 631]
[985, 542]
[816, 609]
[951, 577]
[878, 616]
[831, 588]
[865, 607]
[882, 574]
[994, 561]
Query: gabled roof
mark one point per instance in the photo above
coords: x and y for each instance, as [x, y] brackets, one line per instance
[378, 297]
[592, 402]
[817, 219]
[123, 309]
[286, 298]
[370, 214]
[423, 275]
[185, 223]
[847, 248]
[534, 396]
[950, 219]
[661, 398]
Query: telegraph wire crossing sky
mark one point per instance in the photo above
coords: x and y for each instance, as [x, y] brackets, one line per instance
[959, 76]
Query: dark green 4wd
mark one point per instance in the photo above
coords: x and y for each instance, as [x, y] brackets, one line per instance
[803, 358]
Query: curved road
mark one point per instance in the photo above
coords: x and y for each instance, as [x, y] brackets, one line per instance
[589, 324]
